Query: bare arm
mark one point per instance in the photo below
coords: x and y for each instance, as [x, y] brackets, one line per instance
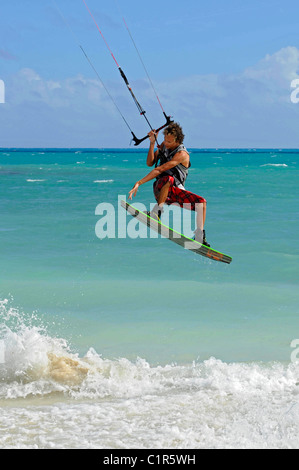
[152, 154]
[179, 157]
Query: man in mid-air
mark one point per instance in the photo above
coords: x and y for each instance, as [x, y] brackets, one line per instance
[171, 162]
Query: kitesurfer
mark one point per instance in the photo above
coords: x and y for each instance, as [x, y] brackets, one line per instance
[172, 162]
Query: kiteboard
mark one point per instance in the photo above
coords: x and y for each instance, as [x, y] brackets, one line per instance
[175, 236]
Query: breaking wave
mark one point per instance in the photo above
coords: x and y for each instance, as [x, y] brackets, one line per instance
[201, 404]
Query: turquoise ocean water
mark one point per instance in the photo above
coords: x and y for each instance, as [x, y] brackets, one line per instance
[138, 343]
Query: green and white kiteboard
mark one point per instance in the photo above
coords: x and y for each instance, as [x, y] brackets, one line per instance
[175, 236]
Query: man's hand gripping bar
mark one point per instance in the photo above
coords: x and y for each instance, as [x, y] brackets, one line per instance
[138, 141]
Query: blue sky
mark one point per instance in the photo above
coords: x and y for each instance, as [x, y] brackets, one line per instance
[222, 69]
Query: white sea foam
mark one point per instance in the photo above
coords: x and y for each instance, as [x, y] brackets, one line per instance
[34, 180]
[103, 181]
[283, 165]
[52, 398]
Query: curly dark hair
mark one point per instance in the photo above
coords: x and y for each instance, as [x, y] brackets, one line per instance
[175, 130]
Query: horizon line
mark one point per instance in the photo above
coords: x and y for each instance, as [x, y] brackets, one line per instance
[145, 148]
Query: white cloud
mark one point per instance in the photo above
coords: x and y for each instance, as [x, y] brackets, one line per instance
[250, 109]
[280, 68]
[29, 75]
